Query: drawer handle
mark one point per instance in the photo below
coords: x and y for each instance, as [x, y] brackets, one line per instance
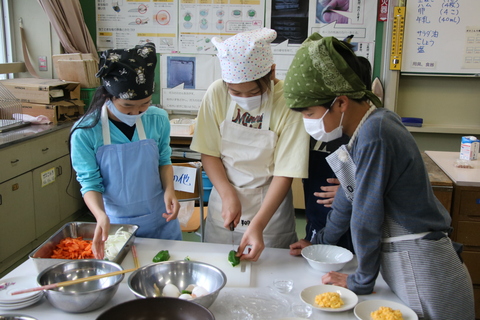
[1, 200]
[14, 161]
[45, 150]
[59, 170]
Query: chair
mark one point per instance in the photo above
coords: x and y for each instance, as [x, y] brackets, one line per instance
[197, 220]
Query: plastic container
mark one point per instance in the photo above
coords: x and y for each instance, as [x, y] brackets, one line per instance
[182, 127]
[469, 148]
[207, 186]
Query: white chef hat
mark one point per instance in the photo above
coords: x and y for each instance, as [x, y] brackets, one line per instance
[246, 56]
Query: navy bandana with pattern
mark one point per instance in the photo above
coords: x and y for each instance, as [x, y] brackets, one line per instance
[129, 73]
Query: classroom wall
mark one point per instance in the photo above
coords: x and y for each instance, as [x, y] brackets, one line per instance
[440, 101]
[41, 38]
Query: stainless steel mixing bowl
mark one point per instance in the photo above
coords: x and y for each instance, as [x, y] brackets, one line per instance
[148, 281]
[157, 308]
[85, 296]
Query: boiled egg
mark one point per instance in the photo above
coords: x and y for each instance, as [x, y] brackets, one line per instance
[171, 290]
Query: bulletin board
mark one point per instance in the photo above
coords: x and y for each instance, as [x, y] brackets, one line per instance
[442, 37]
[183, 36]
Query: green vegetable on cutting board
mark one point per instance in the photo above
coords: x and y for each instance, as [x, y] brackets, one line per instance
[233, 259]
[163, 255]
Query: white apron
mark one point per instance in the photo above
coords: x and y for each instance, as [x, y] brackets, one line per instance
[247, 155]
[133, 189]
[427, 275]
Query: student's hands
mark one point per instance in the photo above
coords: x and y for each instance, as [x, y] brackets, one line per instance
[231, 210]
[172, 206]
[296, 248]
[252, 237]
[328, 192]
[100, 236]
[335, 278]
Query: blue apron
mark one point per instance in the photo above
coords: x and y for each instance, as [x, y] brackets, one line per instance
[133, 189]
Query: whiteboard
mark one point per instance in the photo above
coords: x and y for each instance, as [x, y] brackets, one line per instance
[442, 37]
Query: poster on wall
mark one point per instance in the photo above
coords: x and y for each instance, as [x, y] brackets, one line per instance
[295, 20]
[344, 18]
[290, 20]
[185, 79]
[200, 20]
[127, 23]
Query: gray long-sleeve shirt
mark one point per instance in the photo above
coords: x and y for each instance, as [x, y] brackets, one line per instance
[391, 178]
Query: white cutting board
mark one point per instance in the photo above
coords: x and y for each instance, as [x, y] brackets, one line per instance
[238, 276]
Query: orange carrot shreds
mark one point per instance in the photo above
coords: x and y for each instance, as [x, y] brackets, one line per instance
[73, 248]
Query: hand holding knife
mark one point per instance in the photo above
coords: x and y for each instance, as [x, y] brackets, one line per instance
[232, 227]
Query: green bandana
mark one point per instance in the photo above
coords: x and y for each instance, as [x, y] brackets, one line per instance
[319, 74]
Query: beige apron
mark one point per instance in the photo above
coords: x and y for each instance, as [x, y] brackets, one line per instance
[247, 155]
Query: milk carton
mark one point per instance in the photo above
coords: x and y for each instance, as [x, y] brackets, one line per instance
[470, 148]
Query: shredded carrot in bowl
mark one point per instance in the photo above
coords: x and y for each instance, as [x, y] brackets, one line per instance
[73, 248]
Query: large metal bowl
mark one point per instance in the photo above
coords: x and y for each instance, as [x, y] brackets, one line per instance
[148, 281]
[157, 308]
[85, 296]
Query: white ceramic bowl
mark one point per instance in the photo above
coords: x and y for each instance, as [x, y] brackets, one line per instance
[326, 258]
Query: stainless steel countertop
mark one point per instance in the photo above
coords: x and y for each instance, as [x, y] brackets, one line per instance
[15, 136]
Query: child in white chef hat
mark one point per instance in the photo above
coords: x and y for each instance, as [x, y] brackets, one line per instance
[252, 147]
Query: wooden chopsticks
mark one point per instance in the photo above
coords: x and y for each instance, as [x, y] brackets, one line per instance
[71, 282]
[135, 257]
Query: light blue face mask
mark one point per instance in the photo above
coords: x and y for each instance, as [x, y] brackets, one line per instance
[123, 117]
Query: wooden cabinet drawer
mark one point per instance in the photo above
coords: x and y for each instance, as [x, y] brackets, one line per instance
[472, 261]
[15, 160]
[49, 147]
[467, 233]
[469, 202]
[444, 194]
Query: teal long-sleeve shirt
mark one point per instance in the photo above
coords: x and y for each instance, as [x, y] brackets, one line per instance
[85, 143]
[391, 178]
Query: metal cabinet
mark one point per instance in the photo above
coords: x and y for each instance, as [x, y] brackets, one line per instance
[53, 201]
[15, 160]
[38, 193]
[16, 214]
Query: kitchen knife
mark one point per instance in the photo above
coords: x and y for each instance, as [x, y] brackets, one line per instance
[232, 227]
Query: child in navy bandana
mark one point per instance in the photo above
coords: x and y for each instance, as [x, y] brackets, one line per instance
[120, 150]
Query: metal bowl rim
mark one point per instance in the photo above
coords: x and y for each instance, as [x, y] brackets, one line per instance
[163, 298]
[180, 262]
[122, 276]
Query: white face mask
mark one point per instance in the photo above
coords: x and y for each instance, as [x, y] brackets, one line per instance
[316, 128]
[250, 103]
[123, 117]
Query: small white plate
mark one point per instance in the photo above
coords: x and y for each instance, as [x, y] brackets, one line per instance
[349, 298]
[20, 305]
[292, 319]
[7, 286]
[363, 309]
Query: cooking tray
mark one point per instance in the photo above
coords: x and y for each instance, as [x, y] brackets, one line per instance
[41, 255]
